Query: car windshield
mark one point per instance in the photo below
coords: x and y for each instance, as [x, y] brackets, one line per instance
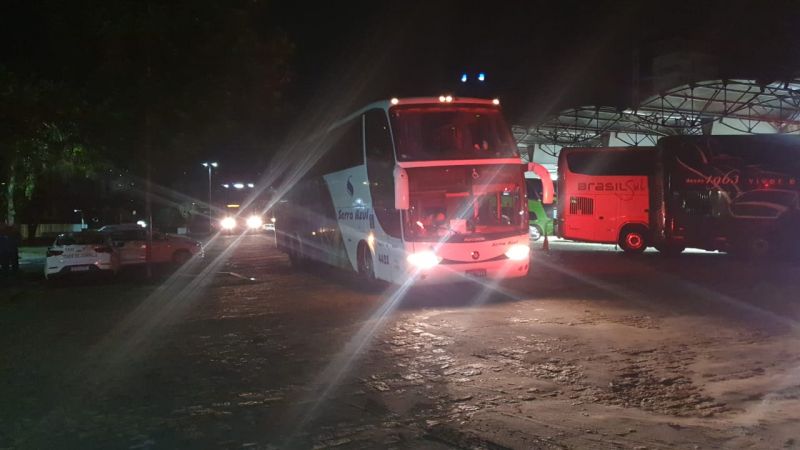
[431, 132]
[81, 239]
[785, 198]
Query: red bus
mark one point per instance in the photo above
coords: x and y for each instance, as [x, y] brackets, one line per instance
[604, 195]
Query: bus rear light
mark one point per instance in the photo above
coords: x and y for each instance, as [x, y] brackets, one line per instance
[424, 260]
[228, 223]
[518, 252]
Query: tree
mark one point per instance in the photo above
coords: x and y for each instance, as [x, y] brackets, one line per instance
[40, 138]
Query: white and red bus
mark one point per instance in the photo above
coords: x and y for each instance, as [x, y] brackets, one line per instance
[427, 189]
[603, 195]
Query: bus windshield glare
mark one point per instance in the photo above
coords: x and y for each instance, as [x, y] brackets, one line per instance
[464, 203]
[435, 132]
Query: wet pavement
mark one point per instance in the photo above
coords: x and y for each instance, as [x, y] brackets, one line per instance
[592, 350]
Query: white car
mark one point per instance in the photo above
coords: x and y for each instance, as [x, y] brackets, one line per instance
[130, 241]
[84, 252]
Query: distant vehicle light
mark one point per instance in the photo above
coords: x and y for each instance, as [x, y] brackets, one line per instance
[272, 220]
[448, 98]
[441, 98]
[141, 223]
[424, 259]
[481, 76]
[394, 101]
[233, 205]
[251, 185]
[518, 252]
[464, 78]
[226, 186]
[496, 101]
[254, 222]
[238, 185]
[228, 223]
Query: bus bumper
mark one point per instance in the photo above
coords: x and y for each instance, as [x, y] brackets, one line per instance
[450, 273]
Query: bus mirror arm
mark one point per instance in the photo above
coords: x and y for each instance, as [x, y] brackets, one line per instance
[547, 182]
[400, 188]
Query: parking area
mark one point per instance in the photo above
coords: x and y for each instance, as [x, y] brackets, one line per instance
[593, 349]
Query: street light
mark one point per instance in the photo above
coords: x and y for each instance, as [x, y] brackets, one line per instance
[209, 165]
[83, 222]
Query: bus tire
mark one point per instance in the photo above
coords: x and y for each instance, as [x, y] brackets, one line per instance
[670, 249]
[296, 256]
[535, 233]
[366, 266]
[633, 239]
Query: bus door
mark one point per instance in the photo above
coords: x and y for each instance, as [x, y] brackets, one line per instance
[606, 217]
[579, 215]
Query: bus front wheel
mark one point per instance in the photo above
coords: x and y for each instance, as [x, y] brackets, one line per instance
[633, 239]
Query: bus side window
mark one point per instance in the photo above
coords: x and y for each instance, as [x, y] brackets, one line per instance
[380, 167]
[345, 150]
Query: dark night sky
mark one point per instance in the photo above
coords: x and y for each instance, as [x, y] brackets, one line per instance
[539, 56]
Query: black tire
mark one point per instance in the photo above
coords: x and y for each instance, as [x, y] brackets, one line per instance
[670, 249]
[538, 235]
[296, 256]
[633, 240]
[366, 263]
[181, 257]
[756, 248]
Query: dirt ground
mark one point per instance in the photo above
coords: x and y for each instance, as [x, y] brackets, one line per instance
[592, 350]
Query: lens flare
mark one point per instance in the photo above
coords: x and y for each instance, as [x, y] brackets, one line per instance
[228, 223]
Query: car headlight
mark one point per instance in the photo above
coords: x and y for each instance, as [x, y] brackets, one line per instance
[423, 260]
[518, 252]
[228, 223]
[254, 222]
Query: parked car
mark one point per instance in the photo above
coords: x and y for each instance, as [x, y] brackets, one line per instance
[82, 252]
[130, 241]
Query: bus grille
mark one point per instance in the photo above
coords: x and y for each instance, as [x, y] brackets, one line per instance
[581, 205]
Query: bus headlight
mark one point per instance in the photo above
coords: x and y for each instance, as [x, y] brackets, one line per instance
[423, 260]
[254, 222]
[518, 252]
[228, 223]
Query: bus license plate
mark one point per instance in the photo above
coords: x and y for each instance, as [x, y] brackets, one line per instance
[477, 273]
[79, 269]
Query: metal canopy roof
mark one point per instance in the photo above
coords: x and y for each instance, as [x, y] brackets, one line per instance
[741, 105]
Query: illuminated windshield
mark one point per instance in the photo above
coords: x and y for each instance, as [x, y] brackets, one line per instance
[464, 202]
[431, 132]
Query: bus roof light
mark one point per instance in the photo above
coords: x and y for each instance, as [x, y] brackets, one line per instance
[442, 98]
[496, 101]
[448, 98]
[394, 100]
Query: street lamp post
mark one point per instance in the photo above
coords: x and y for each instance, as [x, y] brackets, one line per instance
[83, 222]
[209, 165]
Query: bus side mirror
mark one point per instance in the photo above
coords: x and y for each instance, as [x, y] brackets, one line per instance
[400, 188]
[547, 182]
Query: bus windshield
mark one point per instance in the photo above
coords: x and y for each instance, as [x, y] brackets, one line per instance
[462, 203]
[437, 132]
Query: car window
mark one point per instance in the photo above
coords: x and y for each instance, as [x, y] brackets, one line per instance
[81, 239]
[128, 235]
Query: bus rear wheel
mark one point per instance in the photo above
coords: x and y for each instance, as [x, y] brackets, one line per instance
[296, 256]
[633, 239]
[366, 266]
[670, 249]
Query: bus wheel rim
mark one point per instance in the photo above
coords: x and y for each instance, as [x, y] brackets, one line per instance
[633, 240]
